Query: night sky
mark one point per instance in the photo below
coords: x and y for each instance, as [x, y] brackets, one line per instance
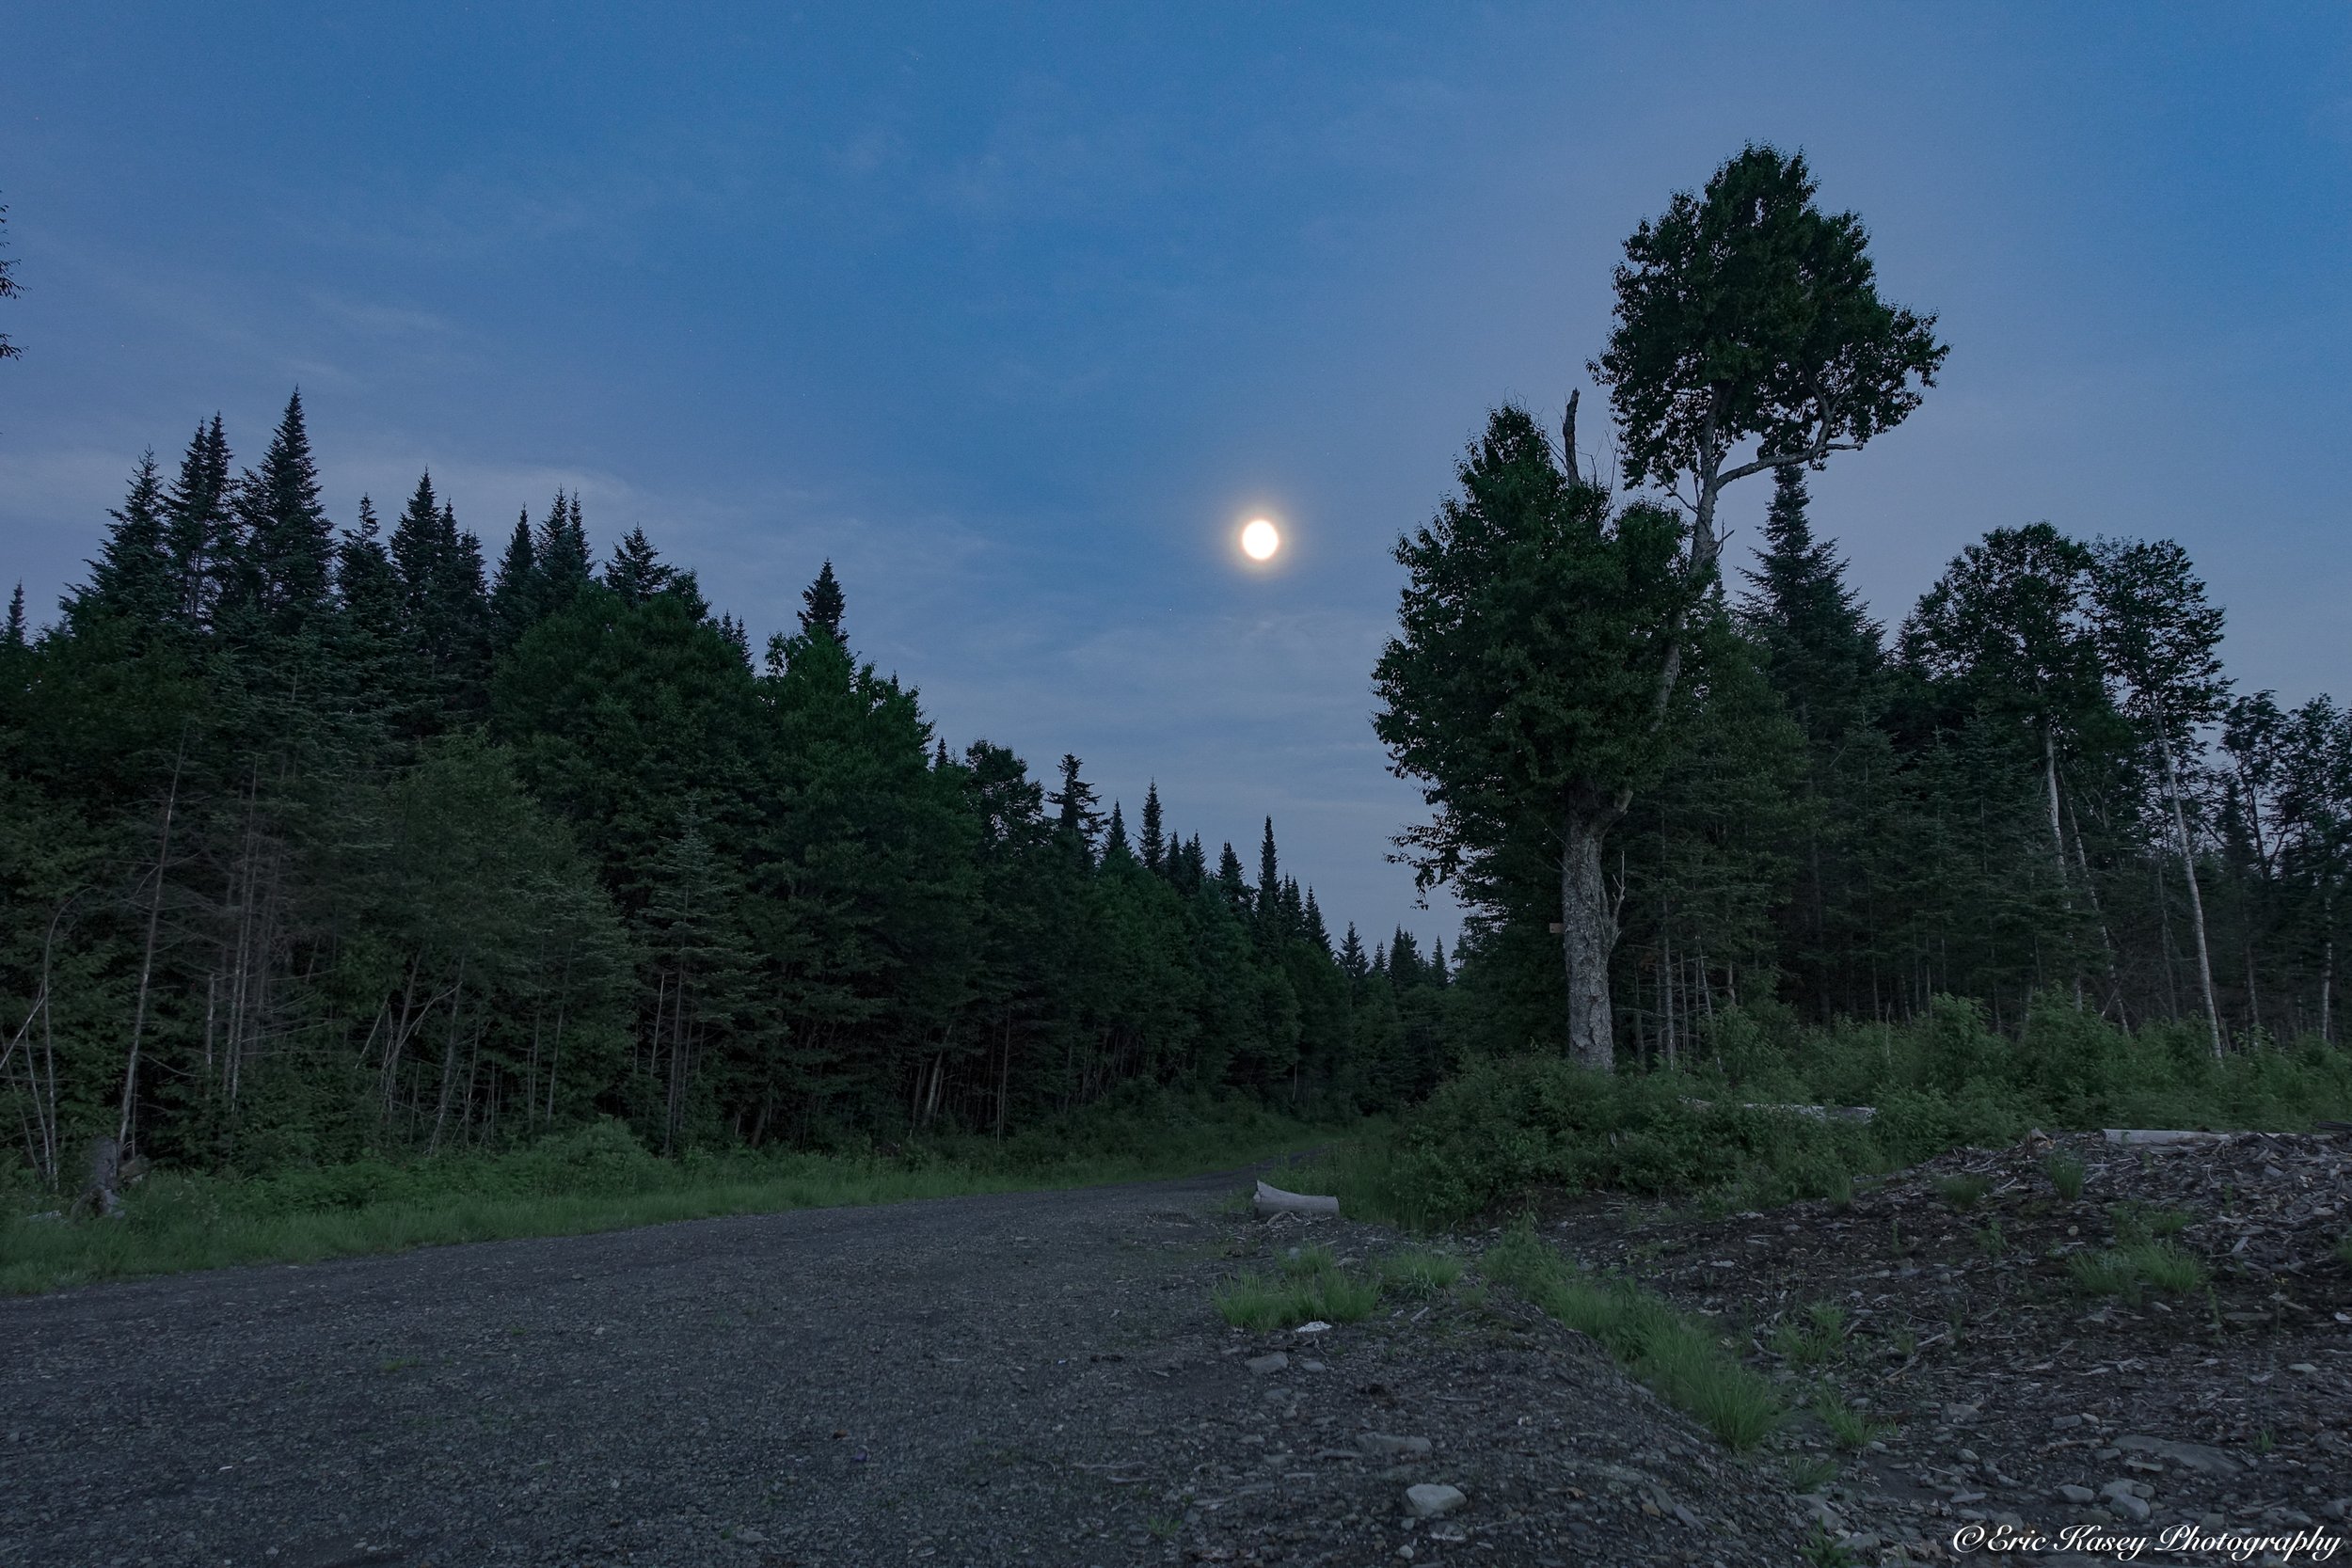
[1018, 313]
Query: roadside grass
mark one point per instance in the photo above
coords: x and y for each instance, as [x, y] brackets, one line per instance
[1847, 1427]
[1812, 1337]
[1963, 1192]
[1671, 1352]
[2065, 1174]
[2124, 1270]
[595, 1179]
[1420, 1270]
[1263, 1302]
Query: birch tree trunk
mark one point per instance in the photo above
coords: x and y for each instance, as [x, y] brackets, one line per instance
[2196, 900]
[146, 960]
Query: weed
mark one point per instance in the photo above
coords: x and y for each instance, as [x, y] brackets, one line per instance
[1810, 1472]
[1420, 1270]
[1814, 1338]
[1678, 1357]
[2122, 1271]
[1847, 1427]
[2343, 1252]
[1262, 1301]
[1824, 1550]
[1259, 1302]
[1965, 1192]
[2264, 1442]
[2167, 1267]
[1905, 1340]
[1162, 1527]
[1345, 1299]
[2065, 1174]
[2137, 1221]
[1307, 1262]
[1990, 1242]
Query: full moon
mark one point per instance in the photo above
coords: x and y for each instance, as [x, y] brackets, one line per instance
[1260, 539]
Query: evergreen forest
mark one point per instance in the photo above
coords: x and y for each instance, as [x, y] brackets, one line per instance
[323, 840]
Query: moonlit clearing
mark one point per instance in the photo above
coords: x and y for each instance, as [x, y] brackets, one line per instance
[1260, 539]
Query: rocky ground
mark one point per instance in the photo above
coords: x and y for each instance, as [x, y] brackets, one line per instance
[1043, 1379]
[1942, 1308]
[1011, 1379]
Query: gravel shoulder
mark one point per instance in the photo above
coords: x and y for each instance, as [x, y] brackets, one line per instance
[2007, 1398]
[1030, 1378]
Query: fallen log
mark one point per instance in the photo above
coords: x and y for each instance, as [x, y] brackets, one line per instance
[2159, 1137]
[1274, 1200]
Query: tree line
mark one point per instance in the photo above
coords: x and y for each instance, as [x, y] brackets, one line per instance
[316, 840]
[1662, 793]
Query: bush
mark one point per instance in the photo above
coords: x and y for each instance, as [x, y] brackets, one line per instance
[1945, 1080]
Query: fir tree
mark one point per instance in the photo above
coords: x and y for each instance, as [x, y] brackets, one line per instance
[1075, 817]
[560, 552]
[1116, 851]
[283, 573]
[823, 604]
[15, 635]
[443, 611]
[516, 594]
[1822, 651]
[636, 572]
[199, 528]
[1353, 962]
[1229, 878]
[1153, 845]
[132, 577]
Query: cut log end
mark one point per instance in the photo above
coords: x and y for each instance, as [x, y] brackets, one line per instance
[1274, 1200]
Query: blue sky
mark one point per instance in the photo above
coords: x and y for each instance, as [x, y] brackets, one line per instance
[1016, 312]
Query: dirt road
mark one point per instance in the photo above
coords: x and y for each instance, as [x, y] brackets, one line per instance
[1034, 1378]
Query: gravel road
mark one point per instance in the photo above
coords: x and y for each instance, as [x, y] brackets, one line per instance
[1013, 1379]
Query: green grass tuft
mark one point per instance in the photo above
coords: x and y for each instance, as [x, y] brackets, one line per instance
[1674, 1355]
[1813, 1338]
[1965, 1192]
[2123, 1271]
[1296, 1294]
[1847, 1427]
[1419, 1271]
[2065, 1174]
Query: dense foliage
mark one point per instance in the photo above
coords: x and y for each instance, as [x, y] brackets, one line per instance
[317, 843]
[2044, 785]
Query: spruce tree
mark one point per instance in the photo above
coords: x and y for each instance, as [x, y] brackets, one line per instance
[1116, 851]
[1229, 878]
[368, 635]
[1822, 651]
[1075, 817]
[560, 548]
[283, 573]
[1353, 961]
[517, 592]
[1154, 845]
[444, 613]
[132, 577]
[636, 572]
[822, 604]
[199, 528]
[16, 635]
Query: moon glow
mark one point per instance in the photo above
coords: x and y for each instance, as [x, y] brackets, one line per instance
[1260, 539]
